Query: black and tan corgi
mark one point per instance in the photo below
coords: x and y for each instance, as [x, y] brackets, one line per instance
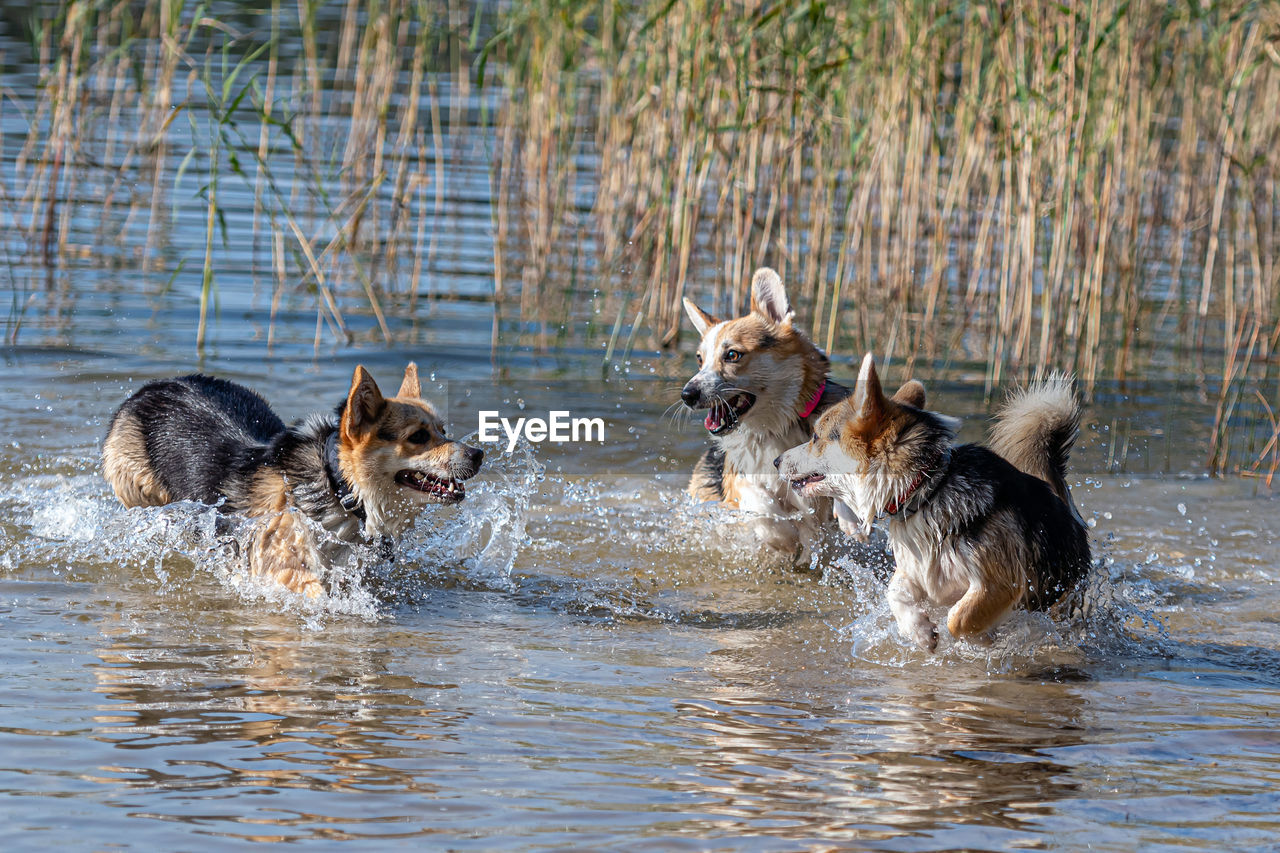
[763, 384]
[315, 489]
[979, 530]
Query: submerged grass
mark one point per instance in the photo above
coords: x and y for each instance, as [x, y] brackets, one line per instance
[981, 187]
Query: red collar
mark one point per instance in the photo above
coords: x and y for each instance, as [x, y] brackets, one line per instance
[895, 504]
[813, 404]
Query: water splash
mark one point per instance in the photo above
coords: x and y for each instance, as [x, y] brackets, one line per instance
[1109, 617]
[73, 526]
[71, 523]
[484, 535]
[616, 550]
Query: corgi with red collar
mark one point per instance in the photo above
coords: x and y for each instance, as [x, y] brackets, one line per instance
[762, 384]
[978, 530]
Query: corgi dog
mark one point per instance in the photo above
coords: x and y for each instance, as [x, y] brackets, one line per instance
[763, 384]
[976, 529]
[316, 490]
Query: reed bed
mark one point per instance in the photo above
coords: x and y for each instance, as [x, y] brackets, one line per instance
[1011, 187]
[301, 126]
[987, 189]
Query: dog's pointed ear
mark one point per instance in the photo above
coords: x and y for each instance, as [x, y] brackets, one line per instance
[410, 386]
[365, 403]
[701, 319]
[868, 396]
[768, 298]
[910, 394]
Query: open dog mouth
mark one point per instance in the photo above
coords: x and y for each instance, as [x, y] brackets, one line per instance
[724, 414]
[800, 483]
[446, 491]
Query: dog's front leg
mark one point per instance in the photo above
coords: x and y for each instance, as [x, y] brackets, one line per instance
[910, 608]
[771, 528]
[778, 534]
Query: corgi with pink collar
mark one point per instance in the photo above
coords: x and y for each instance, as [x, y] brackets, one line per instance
[763, 384]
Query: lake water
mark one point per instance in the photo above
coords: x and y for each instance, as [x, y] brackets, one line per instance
[577, 656]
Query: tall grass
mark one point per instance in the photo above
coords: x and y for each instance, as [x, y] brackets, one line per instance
[1017, 186]
[1024, 181]
[314, 110]
[984, 187]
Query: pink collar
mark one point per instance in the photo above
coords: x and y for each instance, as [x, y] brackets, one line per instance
[813, 404]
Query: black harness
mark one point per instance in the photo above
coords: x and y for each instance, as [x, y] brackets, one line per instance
[347, 497]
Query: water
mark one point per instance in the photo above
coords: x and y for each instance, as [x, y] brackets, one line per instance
[576, 656]
[579, 659]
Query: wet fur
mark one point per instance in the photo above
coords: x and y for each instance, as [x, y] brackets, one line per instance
[1035, 430]
[976, 532]
[783, 369]
[204, 439]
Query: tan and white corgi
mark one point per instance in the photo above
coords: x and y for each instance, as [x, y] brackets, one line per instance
[763, 384]
[978, 530]
[315, 490]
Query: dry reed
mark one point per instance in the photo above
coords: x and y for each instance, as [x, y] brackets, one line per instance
[993, 186]
[988, 188]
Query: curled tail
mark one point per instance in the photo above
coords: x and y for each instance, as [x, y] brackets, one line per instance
[1036, 428]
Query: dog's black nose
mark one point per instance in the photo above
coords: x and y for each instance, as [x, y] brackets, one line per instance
[475, 456]
[777, 463]
[690, 395]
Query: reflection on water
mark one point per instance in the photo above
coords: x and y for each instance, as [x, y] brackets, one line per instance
[270, 713]
[917, 761]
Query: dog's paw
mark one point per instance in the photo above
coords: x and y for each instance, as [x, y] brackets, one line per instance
[778, 535]
[926, 636]
[853, 529]
[300, 581]
[313, 589]
[921, 631]
[850, 524]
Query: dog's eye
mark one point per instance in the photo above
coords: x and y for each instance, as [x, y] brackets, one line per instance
[732, 355]
[699, 357]
[422, 436]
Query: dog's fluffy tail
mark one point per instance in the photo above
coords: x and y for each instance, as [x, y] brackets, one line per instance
[1036, 428]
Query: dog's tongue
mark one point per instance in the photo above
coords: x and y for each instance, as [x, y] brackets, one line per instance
[715, 418]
